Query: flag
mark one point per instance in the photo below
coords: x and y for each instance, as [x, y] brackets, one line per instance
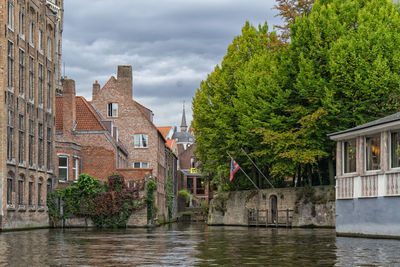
[234, 168]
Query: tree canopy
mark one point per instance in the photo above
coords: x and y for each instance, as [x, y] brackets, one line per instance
[279, 100]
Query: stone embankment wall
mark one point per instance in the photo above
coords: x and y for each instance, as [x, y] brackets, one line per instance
[310, 207]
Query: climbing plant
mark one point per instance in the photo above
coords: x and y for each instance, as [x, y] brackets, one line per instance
[151, 186]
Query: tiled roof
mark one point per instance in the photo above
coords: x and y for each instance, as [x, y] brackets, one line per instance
[59, 113]
[170, 143]
[86, 117]
[164, 130]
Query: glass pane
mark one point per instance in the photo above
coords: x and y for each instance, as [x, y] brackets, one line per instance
[350, 156]
[144, 140]
[373, 153]
[137, 140]
[145, 165]
[62, 162]
[62, 174]
[395, 150]
[136, 165]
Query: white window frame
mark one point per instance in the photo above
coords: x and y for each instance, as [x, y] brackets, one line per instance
[365, 152]
[343, 161]
[32, 33]
[75, 168]
[142, 165]
[63, 167]
[22, 25]
[112, 109]
[49, 48]
[11, 15]
[140, 142]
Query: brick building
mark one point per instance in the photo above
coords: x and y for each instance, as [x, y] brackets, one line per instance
[83, 143]
[30, 77]
[132, 123]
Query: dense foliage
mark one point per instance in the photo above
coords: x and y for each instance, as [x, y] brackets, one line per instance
[108, 205]
[279, 100]
[151, 187]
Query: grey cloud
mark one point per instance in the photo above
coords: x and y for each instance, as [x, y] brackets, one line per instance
[172, 45]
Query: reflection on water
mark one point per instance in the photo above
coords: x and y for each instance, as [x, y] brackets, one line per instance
[193, 245]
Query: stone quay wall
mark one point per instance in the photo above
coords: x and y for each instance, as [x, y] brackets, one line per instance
[309, 207]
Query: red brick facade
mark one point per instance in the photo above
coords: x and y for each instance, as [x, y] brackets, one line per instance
[129, 118]
[82, 140]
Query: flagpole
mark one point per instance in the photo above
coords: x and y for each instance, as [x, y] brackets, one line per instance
[257, 167]
[244, 173]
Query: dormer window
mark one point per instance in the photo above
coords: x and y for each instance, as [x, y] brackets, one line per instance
[112, 109]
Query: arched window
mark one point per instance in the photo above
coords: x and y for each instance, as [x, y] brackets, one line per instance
[20, 188]
[39, 191]
[49, 186]
[30, 191]
[10, 187]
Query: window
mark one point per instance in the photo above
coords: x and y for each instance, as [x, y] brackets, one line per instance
[30, 193]
[40, 84]
[190, 185]
[349, 156]
[31, 75]
[63, 168]
[141, 140]
[75, 169]
[21, 71]
[31, 142]
[21, 139]
[112, 109]
[200, 186]
[48, 89]
[49, 48]
[39, 195]
[373, 152]
[395, 150]
[49, 187]
[194, 162]
[31, 33]
[40, 41]
[140, 164]
[10, 134]
[10, 64]
[40, 146]
[10, 180]
[21, 190]
[49, 150]
[11, 15]
[22, 24]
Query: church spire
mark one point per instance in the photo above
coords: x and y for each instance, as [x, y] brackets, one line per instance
[183, 123]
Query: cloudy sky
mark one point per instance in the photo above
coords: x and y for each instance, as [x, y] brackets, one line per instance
[171, 44]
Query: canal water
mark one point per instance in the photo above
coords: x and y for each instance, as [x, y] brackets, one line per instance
[194, 245]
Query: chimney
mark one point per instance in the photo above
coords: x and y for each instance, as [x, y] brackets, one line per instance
[124, 78]
[96, 89]
[69, 105]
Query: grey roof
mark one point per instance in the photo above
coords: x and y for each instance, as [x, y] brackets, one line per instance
[183, 137]
[387, 119]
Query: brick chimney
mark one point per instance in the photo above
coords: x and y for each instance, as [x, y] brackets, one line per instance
[69, 105]
[96, 89]
[125, 81]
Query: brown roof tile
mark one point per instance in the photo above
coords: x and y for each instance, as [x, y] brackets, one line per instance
[86, 117]
[164, 130]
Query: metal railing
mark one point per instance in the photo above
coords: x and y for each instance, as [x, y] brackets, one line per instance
[270, 218]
